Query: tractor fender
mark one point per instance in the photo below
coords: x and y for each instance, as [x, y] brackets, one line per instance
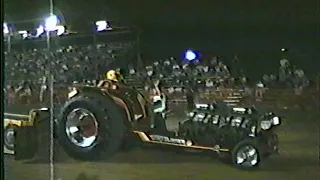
[104, 92]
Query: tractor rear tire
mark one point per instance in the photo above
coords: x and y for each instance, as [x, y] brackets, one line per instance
[110, 127]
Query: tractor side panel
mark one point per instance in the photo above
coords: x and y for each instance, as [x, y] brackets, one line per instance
[135, 105]
[124, 106]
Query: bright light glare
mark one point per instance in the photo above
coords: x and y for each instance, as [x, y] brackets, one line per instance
[22, 32]
[102, 25]
[5, 28]
[51, 23]
[60, 30]
[40, 30]
[190, 55]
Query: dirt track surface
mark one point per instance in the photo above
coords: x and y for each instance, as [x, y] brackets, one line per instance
[298, 159]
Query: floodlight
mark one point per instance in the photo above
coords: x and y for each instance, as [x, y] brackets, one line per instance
[23, 33]
[190, 55]
[60, 30]
[5, 28]
[51, 23]
[102, 25]
[40, 30]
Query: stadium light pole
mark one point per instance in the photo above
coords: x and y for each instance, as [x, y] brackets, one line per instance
[50, 23]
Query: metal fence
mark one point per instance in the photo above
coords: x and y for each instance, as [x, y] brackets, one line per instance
[40, 96]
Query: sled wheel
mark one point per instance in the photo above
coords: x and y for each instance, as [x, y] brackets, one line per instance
[9, 137]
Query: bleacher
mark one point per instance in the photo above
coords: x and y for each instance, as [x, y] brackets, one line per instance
[272, 98]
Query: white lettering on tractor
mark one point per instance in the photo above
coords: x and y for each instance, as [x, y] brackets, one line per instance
[169, 140]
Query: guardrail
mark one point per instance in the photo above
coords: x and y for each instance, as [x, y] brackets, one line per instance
[271, 97]
[16, 116]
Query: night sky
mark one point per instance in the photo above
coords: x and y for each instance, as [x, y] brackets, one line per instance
[234, 27]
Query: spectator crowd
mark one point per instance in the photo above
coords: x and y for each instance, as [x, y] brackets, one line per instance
[66, 64]
[288, 76]
[24, 71]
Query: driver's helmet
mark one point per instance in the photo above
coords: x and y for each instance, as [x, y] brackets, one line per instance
[113, 75]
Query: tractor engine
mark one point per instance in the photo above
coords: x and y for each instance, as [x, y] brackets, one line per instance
[208, 127]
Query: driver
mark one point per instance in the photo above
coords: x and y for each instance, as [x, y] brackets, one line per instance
[115, 77]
